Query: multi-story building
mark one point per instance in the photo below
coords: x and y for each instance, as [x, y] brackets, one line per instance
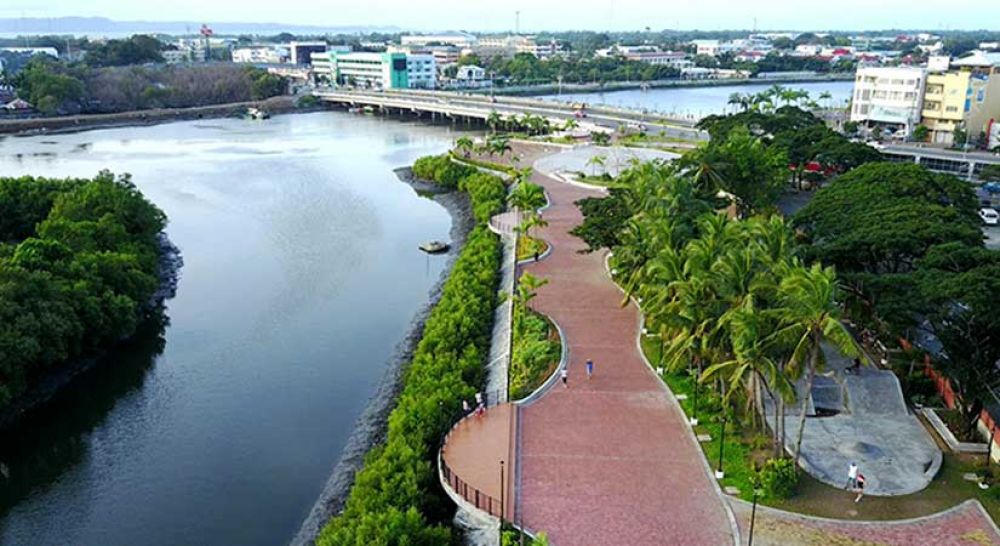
[965, 95]
[260, 54]
[470, 72]
[421, 71]
[394, 70]
[714, 48]
[459, 40]
[508, 46]
[889, 98]
[301, 52]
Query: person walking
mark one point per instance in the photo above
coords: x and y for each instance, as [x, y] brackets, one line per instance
[852, 476]
[465, 407]
[590, 368]
[565, 377]
[860, 488]
[480, 407]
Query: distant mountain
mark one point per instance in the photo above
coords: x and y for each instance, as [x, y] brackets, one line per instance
[100, 26]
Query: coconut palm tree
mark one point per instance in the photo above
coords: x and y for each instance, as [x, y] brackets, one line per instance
[810, 315]
[466, 145]
[527, 196]
[826, 96]
[597, 161]
[494, 120]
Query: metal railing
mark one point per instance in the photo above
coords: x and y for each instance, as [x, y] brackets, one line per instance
[482, 501]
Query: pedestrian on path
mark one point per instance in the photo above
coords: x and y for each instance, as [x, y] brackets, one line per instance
[852, 476]
[590, 368]
[565, 377]
[480, 407]
[861, 488]
[465, 407]
[536, 255]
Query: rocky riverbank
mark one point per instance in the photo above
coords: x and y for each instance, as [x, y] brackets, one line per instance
[371, 425]
[169, 274]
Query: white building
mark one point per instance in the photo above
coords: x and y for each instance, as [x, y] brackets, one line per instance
[175, 56]
[508, 46]
[421, 71]
[714, 48]
[889, 97]
[458, 39]
[260, 55]
[471, 72]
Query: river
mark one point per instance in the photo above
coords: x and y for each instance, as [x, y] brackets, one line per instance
[698, 102]
[220, 421]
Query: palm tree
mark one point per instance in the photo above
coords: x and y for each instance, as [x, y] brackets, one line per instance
[810, 316]
[531, 222]
[493, 121]
[465, 144]
[498, 145]
[596, 161]
[527, 196]
[570, 124]
[827, 97]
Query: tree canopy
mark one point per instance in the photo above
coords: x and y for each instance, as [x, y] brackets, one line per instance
[78, 264]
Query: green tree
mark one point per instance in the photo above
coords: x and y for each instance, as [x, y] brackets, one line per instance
[920, 133]
[809, 315]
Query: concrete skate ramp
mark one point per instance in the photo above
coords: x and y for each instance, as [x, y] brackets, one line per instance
[861, 417]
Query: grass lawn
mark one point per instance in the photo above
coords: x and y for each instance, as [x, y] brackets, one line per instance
[816, 498]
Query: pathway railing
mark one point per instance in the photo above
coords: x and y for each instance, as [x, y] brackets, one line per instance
[482, 501]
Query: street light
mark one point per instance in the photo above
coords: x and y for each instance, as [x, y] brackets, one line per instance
[719, 473]
[753, 511]
[501, 491]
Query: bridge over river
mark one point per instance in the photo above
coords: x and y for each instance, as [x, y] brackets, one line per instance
[478, 107]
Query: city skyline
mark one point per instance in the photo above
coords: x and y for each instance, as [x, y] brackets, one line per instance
[553, 15]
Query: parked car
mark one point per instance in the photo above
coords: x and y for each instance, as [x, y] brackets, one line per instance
[990, 216]
[992, 187]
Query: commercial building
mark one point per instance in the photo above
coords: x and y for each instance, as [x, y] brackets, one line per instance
[375, 70]
[260, 54]
[714, 48]
[460, 40]
[966, 95]
[301, 52]
[470, 72]
[508, 46]
[421, 71]
[889, 98]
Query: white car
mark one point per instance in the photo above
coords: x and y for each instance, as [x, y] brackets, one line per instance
[990, 216]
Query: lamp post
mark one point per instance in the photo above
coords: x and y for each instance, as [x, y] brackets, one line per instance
[719, 473]
[753, 513]
[694, 400]
[501, 491]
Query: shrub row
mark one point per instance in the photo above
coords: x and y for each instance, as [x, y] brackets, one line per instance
[395, 498]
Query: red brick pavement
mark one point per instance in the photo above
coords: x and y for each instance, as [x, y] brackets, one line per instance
[965, 525]
[607, 460]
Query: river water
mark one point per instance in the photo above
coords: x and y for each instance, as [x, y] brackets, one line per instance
[698, 102]
[220, 421]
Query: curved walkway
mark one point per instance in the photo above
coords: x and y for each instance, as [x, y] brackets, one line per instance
[607, 460]
[964, 525]
[611, 460]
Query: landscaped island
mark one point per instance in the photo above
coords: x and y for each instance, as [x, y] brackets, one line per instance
[81, 261]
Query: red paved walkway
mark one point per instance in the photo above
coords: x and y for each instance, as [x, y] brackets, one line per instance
[609, 460]
[965, 525]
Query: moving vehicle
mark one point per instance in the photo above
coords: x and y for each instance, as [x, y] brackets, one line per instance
[257, 113]
[990, 216]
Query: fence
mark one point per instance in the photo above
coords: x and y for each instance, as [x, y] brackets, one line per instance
[472, 495]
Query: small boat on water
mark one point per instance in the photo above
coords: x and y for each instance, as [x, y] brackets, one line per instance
[257, 113]
[434, 247]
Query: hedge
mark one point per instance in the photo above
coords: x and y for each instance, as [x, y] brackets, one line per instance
[396, 499]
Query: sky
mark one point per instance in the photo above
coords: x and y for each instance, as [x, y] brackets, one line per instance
[535, 15]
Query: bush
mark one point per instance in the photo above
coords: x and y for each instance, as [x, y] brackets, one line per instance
[441, 170]
[779, 478]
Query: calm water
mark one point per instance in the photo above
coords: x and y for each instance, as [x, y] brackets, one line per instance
[701, 101]
[220, 423]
